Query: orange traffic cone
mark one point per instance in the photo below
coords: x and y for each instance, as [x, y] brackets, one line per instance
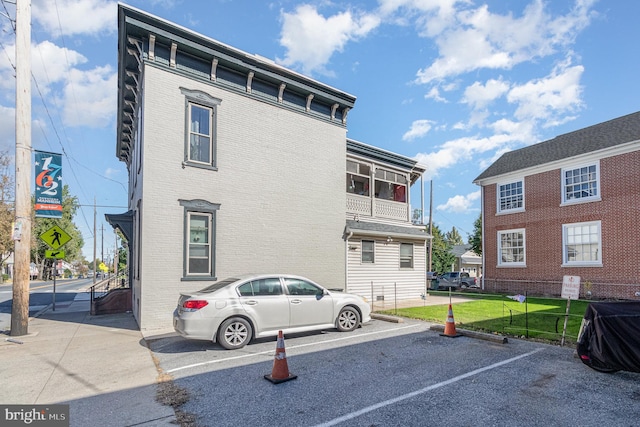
[280, 372]
[450, 326]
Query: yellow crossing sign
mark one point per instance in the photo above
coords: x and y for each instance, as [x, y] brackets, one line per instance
[55, 237]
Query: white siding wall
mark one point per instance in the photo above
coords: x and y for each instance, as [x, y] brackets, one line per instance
[389, 280]
[280, 186]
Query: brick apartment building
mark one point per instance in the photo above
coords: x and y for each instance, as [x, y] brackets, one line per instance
[566, 206]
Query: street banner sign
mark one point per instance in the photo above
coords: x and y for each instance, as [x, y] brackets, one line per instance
[48, 169]
[55, 254]
[55, 237]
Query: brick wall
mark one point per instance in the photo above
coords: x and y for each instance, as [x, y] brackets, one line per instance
[279, 183]
[619, 213]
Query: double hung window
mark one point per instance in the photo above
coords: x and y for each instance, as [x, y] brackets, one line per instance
[511, 248]
[581, 184]
[368, 251]
[199, 239]
[511, 197]
[582, 244]
[406, 255]
[200, 140]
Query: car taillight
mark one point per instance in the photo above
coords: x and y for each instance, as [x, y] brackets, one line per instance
[194, 304]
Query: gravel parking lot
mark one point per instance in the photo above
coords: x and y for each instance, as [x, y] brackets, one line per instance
[397, 374]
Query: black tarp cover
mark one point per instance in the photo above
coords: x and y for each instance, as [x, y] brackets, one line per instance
[611, 336]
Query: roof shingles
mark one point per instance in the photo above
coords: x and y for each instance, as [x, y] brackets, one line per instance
[593, 138]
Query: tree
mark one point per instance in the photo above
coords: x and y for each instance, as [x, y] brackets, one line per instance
[454, 238]
[475, 239]
[72, 249]
[442, 258]
[7, 211]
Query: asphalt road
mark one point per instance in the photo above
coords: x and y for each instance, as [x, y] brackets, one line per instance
[397, 374]
[40, 296]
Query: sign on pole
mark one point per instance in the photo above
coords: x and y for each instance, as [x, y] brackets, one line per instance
[48, 169]
[55, 254]
[55, 237]
[571, 287]
[570, 290]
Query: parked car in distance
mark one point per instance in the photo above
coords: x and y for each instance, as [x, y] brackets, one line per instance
[457, 279]
[234, 311]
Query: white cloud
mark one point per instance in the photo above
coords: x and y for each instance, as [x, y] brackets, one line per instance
[419, 128]
[434, 94]
[458, 152]
[52, 63]
[311, 39]
[480, 39]
[461, 203]
[545, 98]
[73, 17]
[479, 95]
[90, 97]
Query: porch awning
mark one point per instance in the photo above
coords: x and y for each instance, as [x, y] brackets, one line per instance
[122, 222]
[362, 228]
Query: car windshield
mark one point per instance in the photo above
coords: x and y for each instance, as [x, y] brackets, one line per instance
[218, 285]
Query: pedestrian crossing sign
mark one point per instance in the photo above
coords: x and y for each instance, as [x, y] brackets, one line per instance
[55, 237]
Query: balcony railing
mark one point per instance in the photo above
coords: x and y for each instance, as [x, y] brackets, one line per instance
[377, 208]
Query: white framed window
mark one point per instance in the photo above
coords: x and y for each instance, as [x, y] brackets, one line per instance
[390, 185]
[358, 177]
[511, 248]
[406, 255]
[199, 239]
[368, 255]
[581, 184]
[510, 197]
[200, 135]
[582, 244]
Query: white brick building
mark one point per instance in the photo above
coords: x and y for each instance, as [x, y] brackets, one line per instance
[236, 165]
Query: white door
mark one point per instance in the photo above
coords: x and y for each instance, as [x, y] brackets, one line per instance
[307, 304]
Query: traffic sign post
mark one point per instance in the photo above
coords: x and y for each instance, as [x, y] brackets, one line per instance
[570, 290]
[57, 254]
[55, 237]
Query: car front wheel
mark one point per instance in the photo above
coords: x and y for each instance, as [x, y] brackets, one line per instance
[348, 319]
[234, 333]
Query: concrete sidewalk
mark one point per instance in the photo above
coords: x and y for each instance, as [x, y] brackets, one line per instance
[99, 365]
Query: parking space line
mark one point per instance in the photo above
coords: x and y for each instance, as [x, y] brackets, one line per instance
[244, 356]
[372, 408]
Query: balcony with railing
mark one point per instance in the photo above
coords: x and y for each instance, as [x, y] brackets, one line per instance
[389, 198]
[377, 208]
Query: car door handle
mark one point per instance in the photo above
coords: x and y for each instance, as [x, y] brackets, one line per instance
[251, 302]
[296, 301]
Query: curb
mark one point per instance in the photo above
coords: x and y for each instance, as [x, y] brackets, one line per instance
[387, 318]
[474, 334]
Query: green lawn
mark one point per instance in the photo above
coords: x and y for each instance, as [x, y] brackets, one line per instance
[537, 318]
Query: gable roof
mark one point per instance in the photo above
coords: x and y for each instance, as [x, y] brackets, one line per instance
[622, 130]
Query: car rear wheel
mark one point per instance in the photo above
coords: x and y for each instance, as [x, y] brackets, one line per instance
[348, 319]
[234, 333]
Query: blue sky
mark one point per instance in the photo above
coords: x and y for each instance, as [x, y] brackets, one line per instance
[451, 83]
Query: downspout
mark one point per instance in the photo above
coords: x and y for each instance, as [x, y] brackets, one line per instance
[482, 231]
[346, 259]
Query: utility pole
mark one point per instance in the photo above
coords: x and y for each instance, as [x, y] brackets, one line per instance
[22, 228]
[431, 224]
[95, 237]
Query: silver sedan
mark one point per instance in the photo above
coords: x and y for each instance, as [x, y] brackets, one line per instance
[234, 311]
